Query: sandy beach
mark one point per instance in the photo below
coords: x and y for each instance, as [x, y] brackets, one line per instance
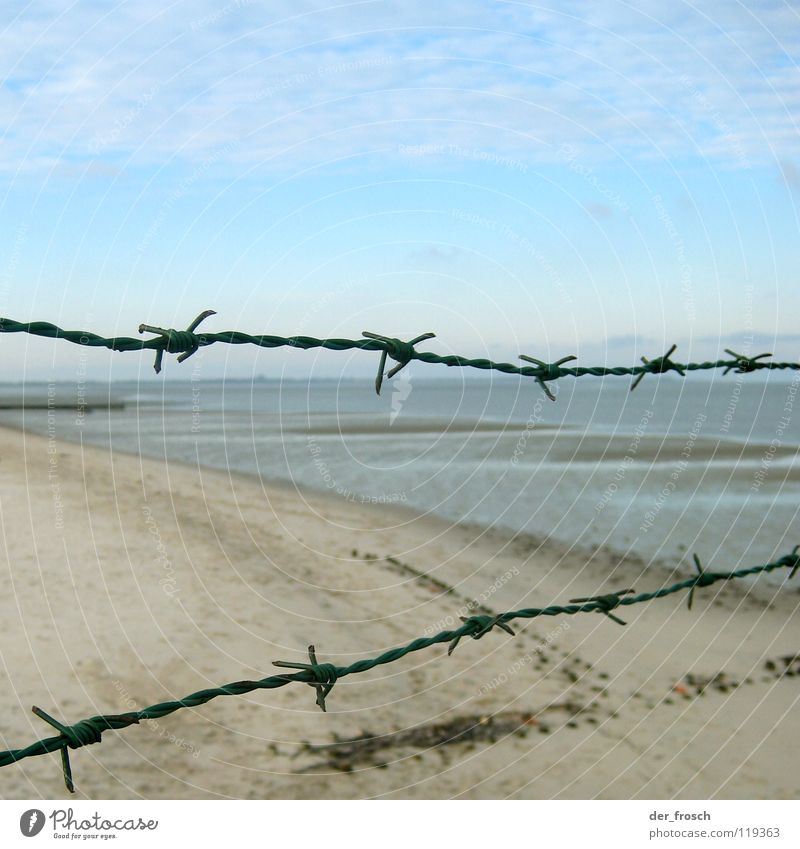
[129, 581]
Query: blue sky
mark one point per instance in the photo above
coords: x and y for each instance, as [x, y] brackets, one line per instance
[597, 178]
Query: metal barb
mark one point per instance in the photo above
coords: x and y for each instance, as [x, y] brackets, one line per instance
[703, 579]
[549, 367]
[658, 366]
[401, 352]
[743, 364]
[795, 550]
[322, 688]
[608, 602]
[65, 764]
[699, 567]
[166, 334]
[484, 628]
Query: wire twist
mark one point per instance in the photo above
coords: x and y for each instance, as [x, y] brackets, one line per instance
[548, 371]
[325, 675]
[83, 733]
[183, 342]
[659, 365]
[401, 352]
[744, 364]
[605, 603]
[477, 626]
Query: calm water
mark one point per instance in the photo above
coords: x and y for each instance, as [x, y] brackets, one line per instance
[675, 467]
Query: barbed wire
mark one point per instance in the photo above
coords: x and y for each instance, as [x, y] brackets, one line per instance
[187, 342]
[323, 676]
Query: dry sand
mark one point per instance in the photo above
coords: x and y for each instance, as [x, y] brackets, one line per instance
[126, 582]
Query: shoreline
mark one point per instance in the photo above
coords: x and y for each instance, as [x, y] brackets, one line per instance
[666, 568]
[166, 578]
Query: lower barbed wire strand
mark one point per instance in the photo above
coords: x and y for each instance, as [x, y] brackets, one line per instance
[476, 627]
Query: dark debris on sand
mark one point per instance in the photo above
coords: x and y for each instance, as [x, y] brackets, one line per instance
[367, 749]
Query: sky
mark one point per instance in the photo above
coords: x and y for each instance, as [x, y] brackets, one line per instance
[592, 178]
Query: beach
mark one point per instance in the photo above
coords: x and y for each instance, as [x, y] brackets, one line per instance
[128, 581]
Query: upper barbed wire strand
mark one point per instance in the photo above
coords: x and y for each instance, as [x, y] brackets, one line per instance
[180, 340]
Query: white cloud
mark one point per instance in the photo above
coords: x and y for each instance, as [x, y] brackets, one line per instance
[301, 83]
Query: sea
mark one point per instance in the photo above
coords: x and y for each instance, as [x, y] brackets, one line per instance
[678, 466]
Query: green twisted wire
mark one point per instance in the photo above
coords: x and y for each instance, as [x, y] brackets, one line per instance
[186, 342]
[323, 676]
